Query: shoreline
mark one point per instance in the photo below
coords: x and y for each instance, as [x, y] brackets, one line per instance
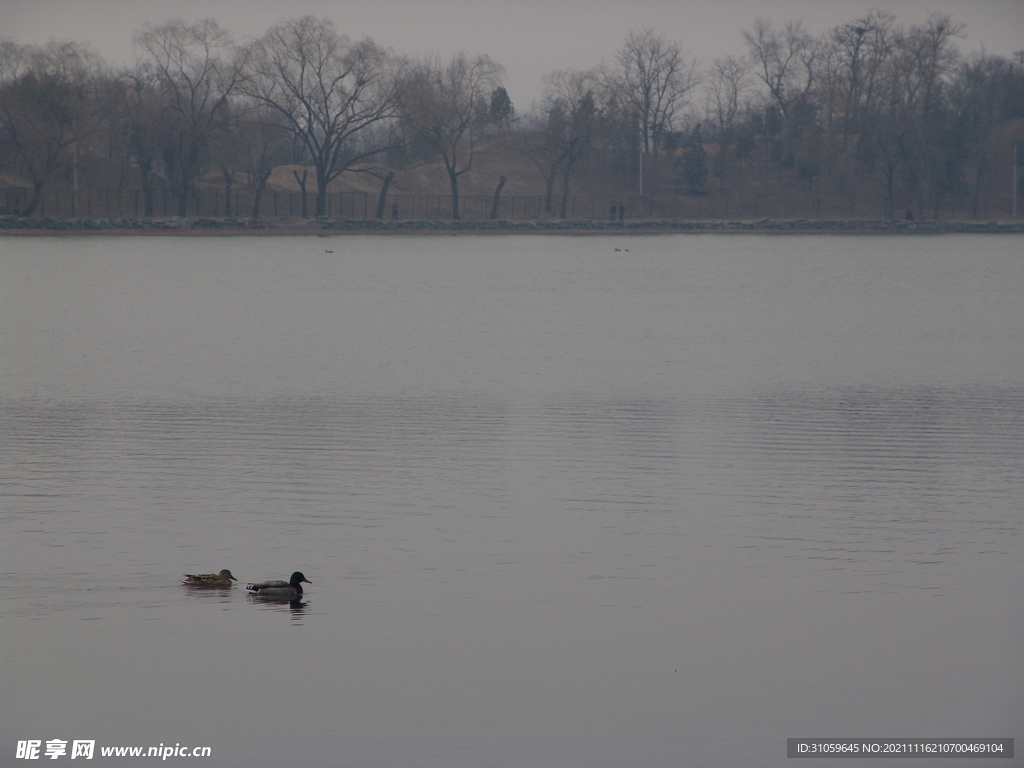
[323, 227]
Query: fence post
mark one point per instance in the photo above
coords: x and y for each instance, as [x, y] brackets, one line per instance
[1016, 146]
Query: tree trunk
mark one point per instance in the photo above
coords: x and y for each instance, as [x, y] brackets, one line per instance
[229, 179]
[184, 187]
[497, 197]
[565, 192]
[549, 193]
[146, 171]
[382, 200]
[147, 195]
[454, 178]
[261, 184]
[890, 204]
[37, 195]
[302, 188]
[321, 194]
[978, 175]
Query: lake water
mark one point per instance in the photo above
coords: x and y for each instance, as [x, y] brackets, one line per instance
[594, 502]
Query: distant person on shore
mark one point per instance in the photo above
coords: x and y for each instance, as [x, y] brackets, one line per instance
[622, 213]
[910, 213]
[16, 208]
[394, 211]
[611, 212]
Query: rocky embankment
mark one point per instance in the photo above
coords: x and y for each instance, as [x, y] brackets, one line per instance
[312, 226]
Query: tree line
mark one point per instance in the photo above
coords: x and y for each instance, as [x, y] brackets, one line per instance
[869, 101]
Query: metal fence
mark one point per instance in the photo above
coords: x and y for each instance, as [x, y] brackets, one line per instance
[215, 203]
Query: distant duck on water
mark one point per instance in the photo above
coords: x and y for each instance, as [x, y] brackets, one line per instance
[290, 589]
[222, 579]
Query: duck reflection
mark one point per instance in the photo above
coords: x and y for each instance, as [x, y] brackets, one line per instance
[296, 606]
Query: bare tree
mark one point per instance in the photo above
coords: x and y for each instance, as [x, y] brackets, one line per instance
[904, 131]
[982, 95]
[785, 62]
[886, 129]
[724, 85]
[539, 142]
[565, 132]
[263, 145]
[327, 89]
[651, 82]
[930, 52]
[197, 71]
[136, 119]
[225, 149]
[46, 108]
[930, 57]
[861, 47]
[446, 106]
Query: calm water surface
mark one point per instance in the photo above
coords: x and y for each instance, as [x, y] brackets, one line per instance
[561, 505]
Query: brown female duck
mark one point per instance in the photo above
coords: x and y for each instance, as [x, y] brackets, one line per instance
[222, 579]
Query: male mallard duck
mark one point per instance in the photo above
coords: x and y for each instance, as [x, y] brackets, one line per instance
[290, 589]
[222, 579]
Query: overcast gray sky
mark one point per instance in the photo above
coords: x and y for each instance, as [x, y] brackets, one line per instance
[530, 38]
